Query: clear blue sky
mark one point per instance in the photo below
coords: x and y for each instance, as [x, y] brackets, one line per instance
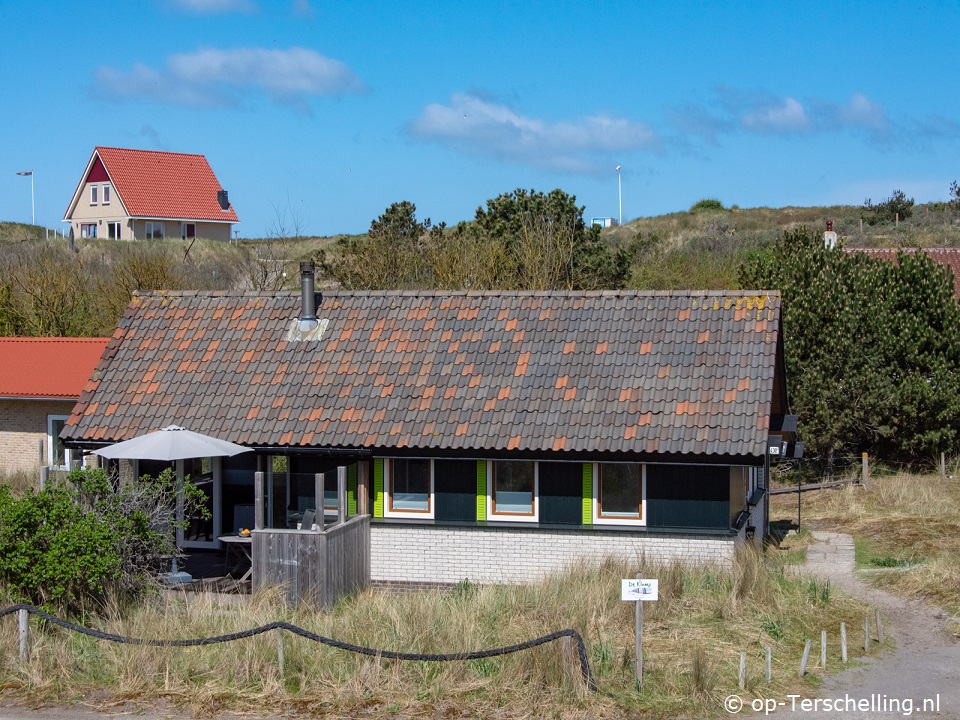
[333, 111]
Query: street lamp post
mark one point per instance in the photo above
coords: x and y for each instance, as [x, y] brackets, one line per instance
[33, 212]
[620, 196]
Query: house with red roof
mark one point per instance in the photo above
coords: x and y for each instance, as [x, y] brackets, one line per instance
[148, 195]
[488, 435]
[41, 381]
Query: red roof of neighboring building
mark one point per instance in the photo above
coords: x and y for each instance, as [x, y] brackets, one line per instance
[153, 184]
[47, 367]
[949, 257]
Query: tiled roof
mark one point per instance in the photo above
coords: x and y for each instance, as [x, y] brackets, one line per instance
[47, 367]
[155, 184]
[671, 372]
[950, 257]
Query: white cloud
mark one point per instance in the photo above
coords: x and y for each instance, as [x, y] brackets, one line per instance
[483, 127]
[302, 8]
[218, 78]
[214, 7]
[787, 116]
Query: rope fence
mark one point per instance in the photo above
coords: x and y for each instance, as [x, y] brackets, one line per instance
[24, 611]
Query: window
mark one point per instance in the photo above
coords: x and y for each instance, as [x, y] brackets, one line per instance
[410, 487]
[620, 492]
[113, 230]
[514, 491]
[106, 194]
[58, 456]
[154, 230]
[188, 231]
[93, 194]
[88, 230]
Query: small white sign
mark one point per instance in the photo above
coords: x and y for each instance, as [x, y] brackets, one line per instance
[633, 589]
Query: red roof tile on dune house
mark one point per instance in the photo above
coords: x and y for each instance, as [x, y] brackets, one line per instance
[128, 194]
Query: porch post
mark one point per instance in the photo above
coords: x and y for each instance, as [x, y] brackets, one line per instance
[363, 487]
[342, 494]
[318, 484]
[259, 518]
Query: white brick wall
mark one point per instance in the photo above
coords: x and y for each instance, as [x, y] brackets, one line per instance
[405, 553]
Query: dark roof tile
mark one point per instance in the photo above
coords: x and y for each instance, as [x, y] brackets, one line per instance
[664, 372]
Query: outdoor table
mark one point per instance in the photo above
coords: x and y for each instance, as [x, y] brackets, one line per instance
[242, 549]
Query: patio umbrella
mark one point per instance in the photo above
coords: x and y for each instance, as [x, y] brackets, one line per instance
[171, 443]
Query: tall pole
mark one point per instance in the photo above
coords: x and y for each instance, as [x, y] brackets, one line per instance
[33, 212]
[620, 196]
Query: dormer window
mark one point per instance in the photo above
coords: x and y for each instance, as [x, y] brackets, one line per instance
[93, 194]
[106, 194]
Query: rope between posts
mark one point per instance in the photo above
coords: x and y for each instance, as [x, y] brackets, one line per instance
[339, 644]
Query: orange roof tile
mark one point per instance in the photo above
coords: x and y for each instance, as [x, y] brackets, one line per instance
[47, 367]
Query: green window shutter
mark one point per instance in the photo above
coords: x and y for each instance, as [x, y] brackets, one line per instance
[352, 489]
[587, 494]
[378, 487]
[481, 490]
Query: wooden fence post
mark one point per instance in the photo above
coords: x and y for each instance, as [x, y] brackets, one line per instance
[943, 465]
[23, 620]
[280, 652]
[879, 628]
[566, 655]
[864, 469]
[769, 658]
[743, 669]
[843, 642]
[866, 634]
[805, 658]
[823, 649]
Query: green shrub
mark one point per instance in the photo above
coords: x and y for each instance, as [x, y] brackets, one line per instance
[707, 205]
[69, 546]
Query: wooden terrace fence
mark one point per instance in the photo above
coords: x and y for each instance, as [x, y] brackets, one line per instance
[313, 566]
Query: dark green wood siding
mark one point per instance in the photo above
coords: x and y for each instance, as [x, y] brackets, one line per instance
[455, 490]
[688, 496]
[561, 493]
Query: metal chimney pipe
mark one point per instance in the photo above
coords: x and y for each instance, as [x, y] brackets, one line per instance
[308, 310]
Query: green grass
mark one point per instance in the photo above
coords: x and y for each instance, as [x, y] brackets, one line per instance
[693, 636]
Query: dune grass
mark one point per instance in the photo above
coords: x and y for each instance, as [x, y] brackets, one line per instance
[905, 524]
[692, 642]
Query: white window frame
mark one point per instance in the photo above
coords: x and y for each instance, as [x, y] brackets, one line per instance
[52, 441]
[105, 195]
[150, 228]
[93, 194]
[599, 519]
[533, 517]
[388, 510]
[88, 230]
[119, 228]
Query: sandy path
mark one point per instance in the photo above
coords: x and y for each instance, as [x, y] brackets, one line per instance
[925, 663]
